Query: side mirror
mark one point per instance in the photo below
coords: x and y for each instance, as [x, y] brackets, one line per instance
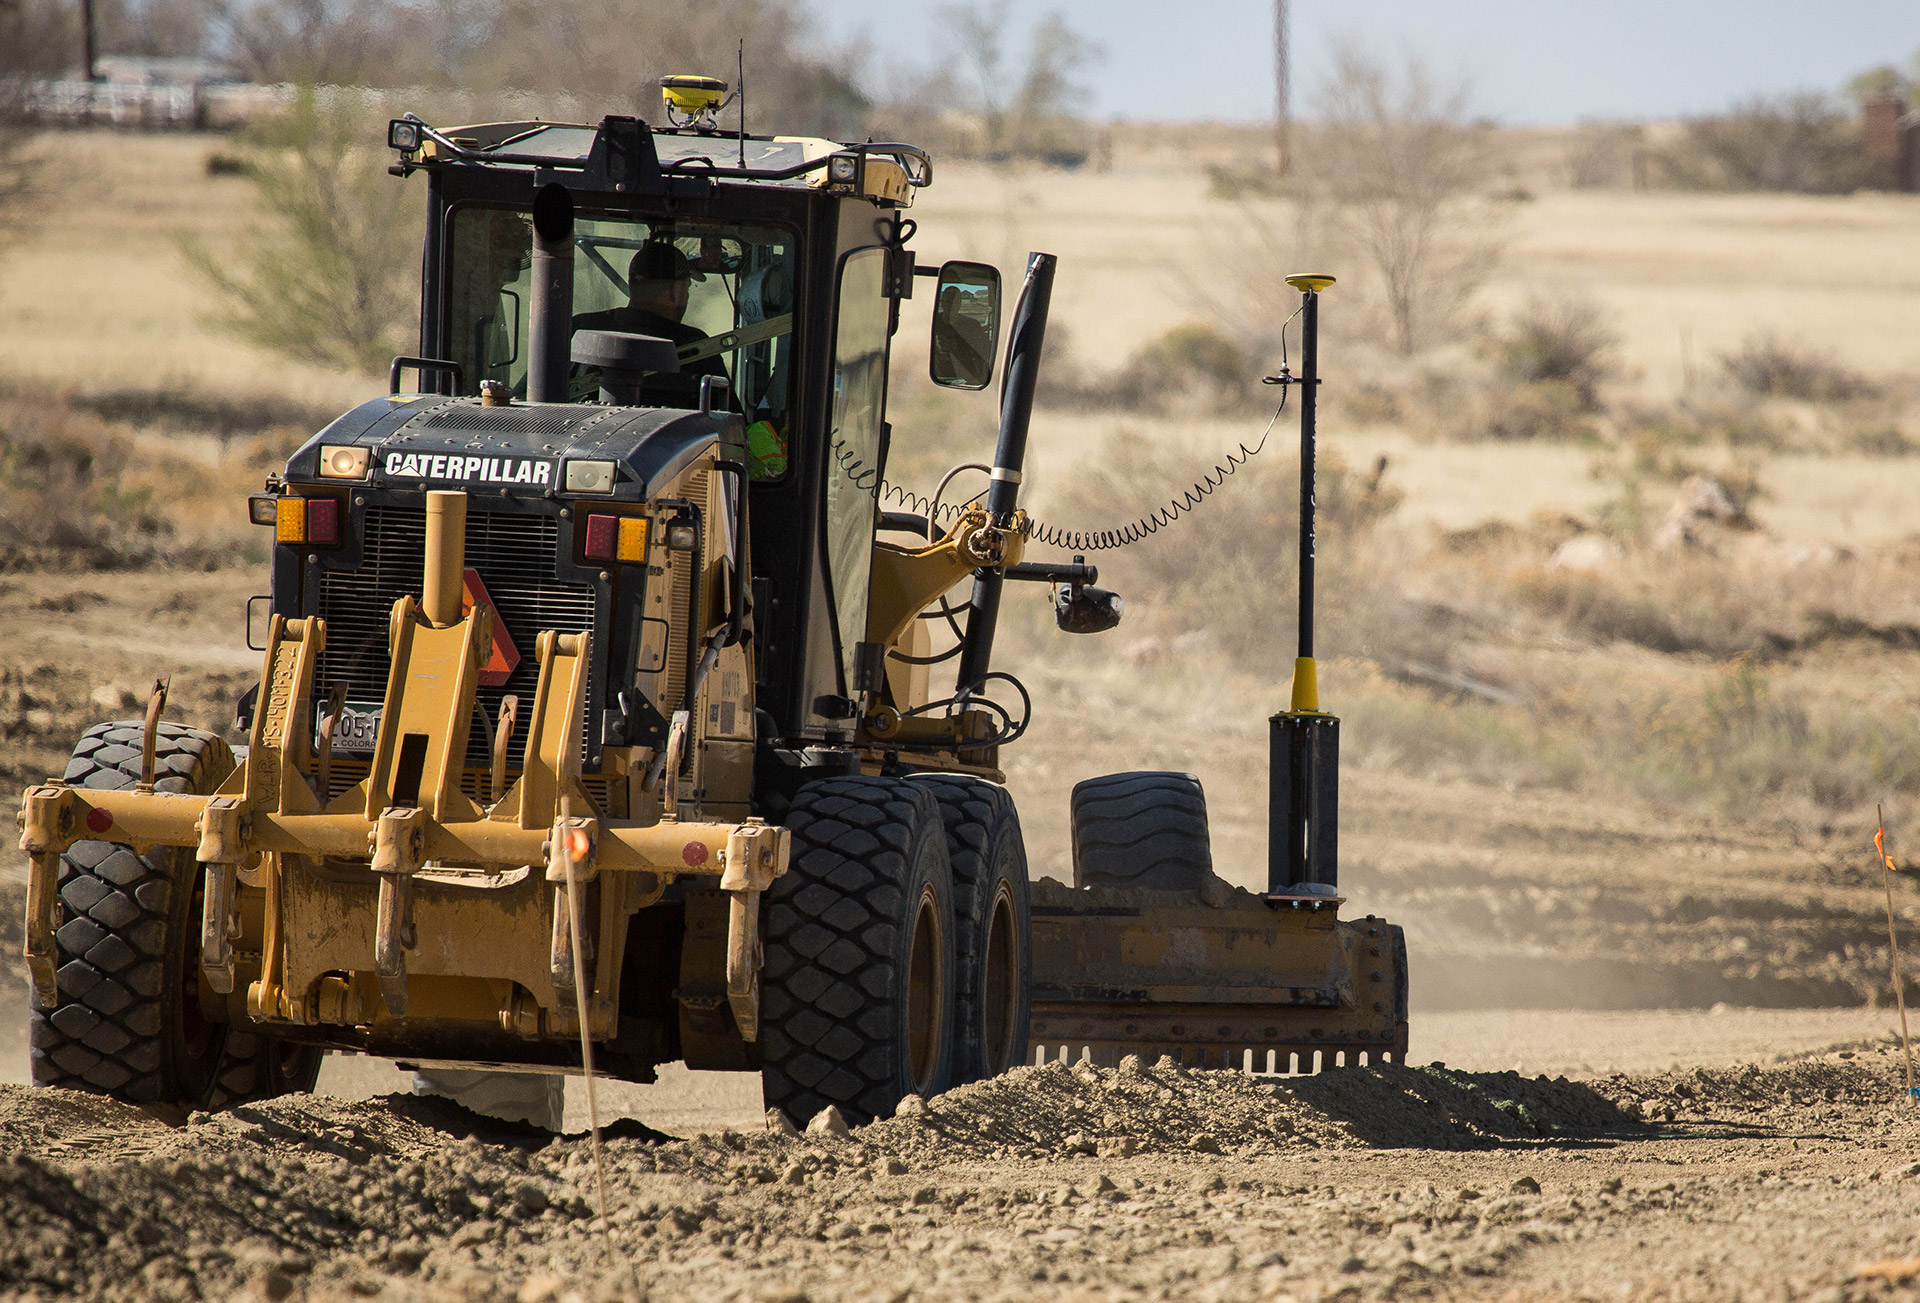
[966, 325]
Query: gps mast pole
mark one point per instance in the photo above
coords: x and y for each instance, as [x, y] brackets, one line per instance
[1303, 793]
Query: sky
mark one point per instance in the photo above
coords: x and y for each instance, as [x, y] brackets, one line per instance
[1532, 62]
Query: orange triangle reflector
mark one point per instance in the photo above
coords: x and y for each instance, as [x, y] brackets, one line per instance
[506, 657]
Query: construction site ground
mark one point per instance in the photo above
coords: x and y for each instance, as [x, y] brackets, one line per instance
[1664, 1012]
[1679, 1151]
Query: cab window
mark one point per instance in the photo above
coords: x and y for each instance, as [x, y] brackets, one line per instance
[723, 292]
[862, 312]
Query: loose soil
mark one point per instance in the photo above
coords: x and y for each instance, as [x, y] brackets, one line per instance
[1145, 1181]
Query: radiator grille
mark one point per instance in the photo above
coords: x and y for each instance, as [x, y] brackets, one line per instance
[514, 554]
[474, 782]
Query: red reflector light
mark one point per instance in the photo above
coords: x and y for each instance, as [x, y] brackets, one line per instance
[603, 538]
[323, 520]
[99, 820]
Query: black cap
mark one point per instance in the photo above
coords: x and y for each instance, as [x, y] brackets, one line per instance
[657, 260]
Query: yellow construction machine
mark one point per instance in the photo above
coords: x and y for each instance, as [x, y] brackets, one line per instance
[597, 706]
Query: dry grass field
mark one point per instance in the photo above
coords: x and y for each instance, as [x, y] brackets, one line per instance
[1612, 744]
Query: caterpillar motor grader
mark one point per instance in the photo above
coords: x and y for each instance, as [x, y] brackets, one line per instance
[600, 703]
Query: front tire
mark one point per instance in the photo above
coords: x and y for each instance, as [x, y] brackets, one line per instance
[995, 931]
[859, 986]
[127, 1022]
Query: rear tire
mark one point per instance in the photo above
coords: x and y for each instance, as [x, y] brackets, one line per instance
[995, 931]
[1141, 830]
[128, 1021]
[859, 985]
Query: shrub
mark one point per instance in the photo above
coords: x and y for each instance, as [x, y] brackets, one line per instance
[1801, 143]
[1564, 340]
[331, 278]
[1769, 366]
[1189, 362]
[1542, 410]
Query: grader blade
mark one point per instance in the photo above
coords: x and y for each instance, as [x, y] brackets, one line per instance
[1277, 984]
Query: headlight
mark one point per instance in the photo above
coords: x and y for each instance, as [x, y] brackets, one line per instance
[589, 477]
[403, 135]
[342, 462]
[841, 168]
[263, 508]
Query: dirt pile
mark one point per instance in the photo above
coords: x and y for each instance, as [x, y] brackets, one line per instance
[1147, 1176]
[1056, 1111]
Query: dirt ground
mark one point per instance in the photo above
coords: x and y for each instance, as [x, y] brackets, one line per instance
[1667, 1056]
[1788, 1181]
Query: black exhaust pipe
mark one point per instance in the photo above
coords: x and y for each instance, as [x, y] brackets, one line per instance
[1003, 493]
[549, 357]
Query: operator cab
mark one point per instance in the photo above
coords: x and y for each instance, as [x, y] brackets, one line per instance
[748, 289]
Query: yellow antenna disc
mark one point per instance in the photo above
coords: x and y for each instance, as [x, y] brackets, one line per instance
[1309, 282]
[692, 94]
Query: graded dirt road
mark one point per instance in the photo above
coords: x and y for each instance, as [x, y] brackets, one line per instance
[1793, 1180]
[1716, 1171]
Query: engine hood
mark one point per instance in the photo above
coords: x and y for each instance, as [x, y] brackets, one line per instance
[429, 442]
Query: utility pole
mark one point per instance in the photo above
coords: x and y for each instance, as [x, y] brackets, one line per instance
[88, 37]
[1282, 93]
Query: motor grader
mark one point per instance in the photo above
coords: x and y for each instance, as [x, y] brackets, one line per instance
[602, 709]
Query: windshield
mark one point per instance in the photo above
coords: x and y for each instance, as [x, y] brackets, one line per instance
[722, 292]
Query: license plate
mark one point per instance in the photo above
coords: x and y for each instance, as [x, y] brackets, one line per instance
[355, 732]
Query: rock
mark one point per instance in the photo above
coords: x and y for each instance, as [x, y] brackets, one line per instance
[1204, 1144]
[1078, 1143]
[271, 1284]
[926, 1194]
[543, 1288]
[1525, 1185]
[796, 1174]
[1585, 553]
[1215, 893]
[780, 1124]
[408, 1256]
[894, 1167]
[1118, 1147]
[1103, 1184]
[111, 696]
[529, 1200]
[911, 1106]
[828, 1122]
[1700, 503]
[1130, 1066]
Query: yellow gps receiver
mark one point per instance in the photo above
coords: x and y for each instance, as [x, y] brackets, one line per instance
[693, 101]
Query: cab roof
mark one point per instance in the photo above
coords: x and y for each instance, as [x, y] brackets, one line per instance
[669, 160]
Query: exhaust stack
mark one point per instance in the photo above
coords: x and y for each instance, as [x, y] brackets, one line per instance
[1009, 458]
[550, 356]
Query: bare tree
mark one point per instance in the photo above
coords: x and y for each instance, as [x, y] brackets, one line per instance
[330, 276]
[616, 52]
[310, 42]
[1397, 162]
[1019, 108]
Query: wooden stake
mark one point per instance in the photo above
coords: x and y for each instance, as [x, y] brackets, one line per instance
[1893, 942]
